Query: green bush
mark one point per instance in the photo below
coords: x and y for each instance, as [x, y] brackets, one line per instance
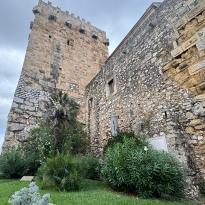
[12, 164]
[142, 170]
[39, 145]
[60, 172]
[74, 139]
[202, 187]
[89, 167]
[140, 141]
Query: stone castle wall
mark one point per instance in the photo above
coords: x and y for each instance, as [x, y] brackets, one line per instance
[152, 87]
[64, 52]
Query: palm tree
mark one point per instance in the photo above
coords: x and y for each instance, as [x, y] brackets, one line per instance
[63, 111]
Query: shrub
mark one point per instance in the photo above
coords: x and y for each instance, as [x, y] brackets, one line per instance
[75, 140]
[202, 187]
[12, 164]
[60, 172]
[150, 173]
[38, 147]
[89, 167]
[140, 141]
[29, 196]
[40, 143]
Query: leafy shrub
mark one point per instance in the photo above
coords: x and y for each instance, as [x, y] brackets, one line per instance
[140, 141]
[29, 196]
[60, 172]
[40, 143]
[150, 173]
[89, 167]
[202, 187]
[12, 164]
[74, 139]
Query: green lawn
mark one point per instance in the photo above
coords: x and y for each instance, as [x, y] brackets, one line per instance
[93, 193]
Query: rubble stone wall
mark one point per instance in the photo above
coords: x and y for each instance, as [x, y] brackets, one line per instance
[150, 87]
[64, 52]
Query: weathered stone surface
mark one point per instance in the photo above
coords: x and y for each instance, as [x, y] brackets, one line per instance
[156, 84]
[16, 127]
[27, 178]
[57, 57]
[153, 82]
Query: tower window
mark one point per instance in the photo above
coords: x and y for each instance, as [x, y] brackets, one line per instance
[69, 25]
[70, 42]
[52, 18]
[90, 103]
[107, 43]
[111, 86]
[50, 36]
[81, 30]
[36, 11]
[94, 36]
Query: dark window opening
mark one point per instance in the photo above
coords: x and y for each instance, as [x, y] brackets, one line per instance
[50, 36]
[142, 126]
[70, 42]
[36, 11]
[81, 30]
[90, 103]
[165, 114]
[69, 25]
[152, 25]
[111, 86]
[94, 36]
[107, 43]
[52, 18]
[31, 25]
[60, 68]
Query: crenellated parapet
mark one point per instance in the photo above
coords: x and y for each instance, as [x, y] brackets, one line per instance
[68, 21]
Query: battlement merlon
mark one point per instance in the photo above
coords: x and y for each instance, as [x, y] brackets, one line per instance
[47, 9]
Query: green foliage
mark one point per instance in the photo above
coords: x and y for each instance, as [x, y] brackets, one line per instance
[89, 167]
[38, 147]
[40, 143]
[64, 106]
[92, 193]
[149, 173]
[29, 195]
[74, 139]
[60, 172]
[202, 187]
[62, 111]
[12, 164]
[140, 141]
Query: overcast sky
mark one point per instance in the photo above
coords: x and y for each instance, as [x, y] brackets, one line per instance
[116, 17]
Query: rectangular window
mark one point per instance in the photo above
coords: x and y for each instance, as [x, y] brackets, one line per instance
[114, 125]
[111, 86]
[52, 18]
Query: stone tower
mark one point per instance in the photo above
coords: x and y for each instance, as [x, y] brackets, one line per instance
[64, 52]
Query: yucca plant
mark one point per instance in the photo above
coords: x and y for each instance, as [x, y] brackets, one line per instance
[60, 172]
[12, 164]
[62, 113]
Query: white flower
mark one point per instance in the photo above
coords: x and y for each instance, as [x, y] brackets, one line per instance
[145, 148]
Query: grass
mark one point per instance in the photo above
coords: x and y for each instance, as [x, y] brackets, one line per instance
[93, 193]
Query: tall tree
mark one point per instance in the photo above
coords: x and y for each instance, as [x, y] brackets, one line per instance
[62, 112]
